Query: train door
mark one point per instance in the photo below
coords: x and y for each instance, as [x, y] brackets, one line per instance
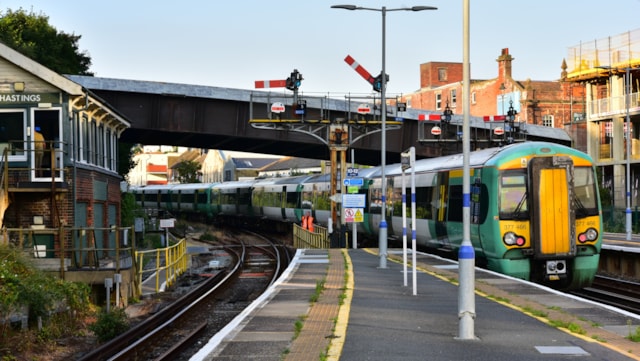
[440, 199]
[553, 216]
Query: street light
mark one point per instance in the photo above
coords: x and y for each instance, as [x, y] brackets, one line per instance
[383, 149]
[627, 93]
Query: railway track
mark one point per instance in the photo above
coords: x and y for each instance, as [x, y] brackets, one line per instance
[614, 292]
[174, 332]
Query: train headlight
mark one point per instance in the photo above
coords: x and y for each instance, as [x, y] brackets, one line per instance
[512, 239]
[589, 236]
[509, 238]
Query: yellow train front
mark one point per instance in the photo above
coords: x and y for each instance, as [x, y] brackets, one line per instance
[535, 211]
[548, 215]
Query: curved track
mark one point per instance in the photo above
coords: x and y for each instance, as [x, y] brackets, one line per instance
[205, 309]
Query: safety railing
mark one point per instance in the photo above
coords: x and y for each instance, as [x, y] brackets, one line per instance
[303, 238]
[162, 266]
[65, 248]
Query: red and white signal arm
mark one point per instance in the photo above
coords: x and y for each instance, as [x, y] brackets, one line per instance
[277, 107]
[364, 109]
[498, 131]
[436, 130]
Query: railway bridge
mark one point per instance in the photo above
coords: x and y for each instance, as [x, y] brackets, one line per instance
[244, 120]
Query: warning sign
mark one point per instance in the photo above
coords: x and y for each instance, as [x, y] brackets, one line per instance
[352, 215]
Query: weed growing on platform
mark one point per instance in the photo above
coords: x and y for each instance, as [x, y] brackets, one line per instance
[318, 292]
[297, 327]
[633, 336]
[499, 299]
[599, 339]
[535, 312]
[572, 327]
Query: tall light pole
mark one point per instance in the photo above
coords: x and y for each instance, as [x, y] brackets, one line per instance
[382, 246]
[627, 93]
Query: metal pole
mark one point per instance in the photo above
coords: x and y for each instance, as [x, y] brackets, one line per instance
[382, 241]
[466, 256]
[627, 92]
[404, 227]
[412, 156]
[354, 236]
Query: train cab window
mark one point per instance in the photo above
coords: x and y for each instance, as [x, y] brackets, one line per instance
[586, 202]
[513, 195]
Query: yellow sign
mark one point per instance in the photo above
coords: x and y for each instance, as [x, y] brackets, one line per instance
[352, 215]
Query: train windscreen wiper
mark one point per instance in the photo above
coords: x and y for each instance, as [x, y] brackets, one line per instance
[518, 213]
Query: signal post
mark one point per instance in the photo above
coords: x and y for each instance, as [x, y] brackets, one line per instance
[308, 116]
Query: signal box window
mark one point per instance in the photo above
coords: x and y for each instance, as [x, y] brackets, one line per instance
[12, 134]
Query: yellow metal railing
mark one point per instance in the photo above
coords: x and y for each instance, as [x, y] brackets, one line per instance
[303, 238]
[170, 262]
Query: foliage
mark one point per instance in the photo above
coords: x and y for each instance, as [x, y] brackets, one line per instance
[110, 324]
[153, 241]
[208, 237]
[26, 289]
[188, 171]
[128, 209]
[126, 151]
[32, 35]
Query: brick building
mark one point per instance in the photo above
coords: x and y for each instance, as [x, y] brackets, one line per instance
[545, 103]
[60, 195]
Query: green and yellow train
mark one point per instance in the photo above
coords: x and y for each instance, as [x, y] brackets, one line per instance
[534, 207]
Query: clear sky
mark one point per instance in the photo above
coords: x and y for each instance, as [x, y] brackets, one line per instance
[233, 43]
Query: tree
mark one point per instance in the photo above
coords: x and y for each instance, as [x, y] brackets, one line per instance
[32, 35]
[188, 171]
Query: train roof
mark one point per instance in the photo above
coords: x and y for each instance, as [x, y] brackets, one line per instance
[295, 180]
[483, 157]
[151, 188]
[235, 184]
[192, 186]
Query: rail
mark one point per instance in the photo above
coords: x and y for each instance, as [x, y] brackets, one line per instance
[303, 238]
[168, 264]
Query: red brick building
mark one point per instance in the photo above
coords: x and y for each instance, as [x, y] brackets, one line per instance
[547, 103]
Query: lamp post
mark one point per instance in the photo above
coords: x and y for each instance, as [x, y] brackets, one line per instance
[627, 93]
[382, 246]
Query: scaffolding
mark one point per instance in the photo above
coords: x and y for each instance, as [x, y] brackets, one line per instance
[615, 52]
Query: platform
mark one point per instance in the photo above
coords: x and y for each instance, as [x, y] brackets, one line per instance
[367, 313]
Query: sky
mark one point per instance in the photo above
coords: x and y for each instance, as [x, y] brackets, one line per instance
[232, 44]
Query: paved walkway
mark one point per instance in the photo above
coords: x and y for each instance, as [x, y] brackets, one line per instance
[318, 328]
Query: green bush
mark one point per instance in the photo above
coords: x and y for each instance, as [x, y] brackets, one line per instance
[207, 237]
[110, 324]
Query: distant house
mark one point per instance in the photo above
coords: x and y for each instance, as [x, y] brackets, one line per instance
[289, 166]
[221, 165]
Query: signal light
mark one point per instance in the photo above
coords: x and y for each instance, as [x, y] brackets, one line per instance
[446, 115]
[377, 82]
[295, 80]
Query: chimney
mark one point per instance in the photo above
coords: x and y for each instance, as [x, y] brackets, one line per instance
[504, 64]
